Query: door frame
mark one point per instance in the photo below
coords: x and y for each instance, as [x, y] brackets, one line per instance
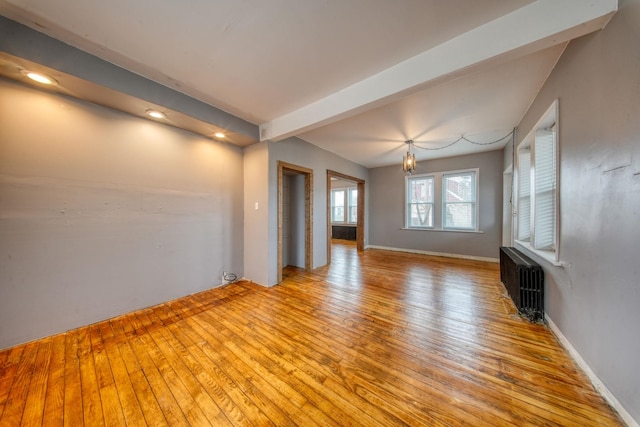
[308, 213]
[507, 206]
[360, 221]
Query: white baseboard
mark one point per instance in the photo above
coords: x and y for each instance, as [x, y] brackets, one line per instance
[443, 254]
[597, 383]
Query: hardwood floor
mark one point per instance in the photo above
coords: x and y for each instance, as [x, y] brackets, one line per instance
[376, 339]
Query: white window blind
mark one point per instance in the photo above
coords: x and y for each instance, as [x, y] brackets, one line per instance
[459, 201]
[524, 194]
[537, 188]
[353, 205]
[337, 206]
[544, 214]
[420, 202]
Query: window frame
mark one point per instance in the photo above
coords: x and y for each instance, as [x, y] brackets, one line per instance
[438, 206]
[408, 203]
[333, 205]
[350, 204]
[474, 203]
[526, 239]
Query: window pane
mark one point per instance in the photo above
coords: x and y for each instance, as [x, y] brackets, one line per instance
[460, 215]
[421, 215]
[421, 190]
[420, 201]
[524, 194]
[337, 205]
[545, 190]
[459, 206]
[353, 205]
[460, 188]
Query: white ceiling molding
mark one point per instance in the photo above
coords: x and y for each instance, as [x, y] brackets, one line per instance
[534, 27]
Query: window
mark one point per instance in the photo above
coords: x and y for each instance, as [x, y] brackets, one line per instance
[524, 194]
[454, 194]
[337, 205]
[353, 205]
[537, 201]
[420, 202]
[459, 201]
[344, 205]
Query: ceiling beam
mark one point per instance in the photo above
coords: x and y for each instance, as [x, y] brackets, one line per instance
[539, 25]
[122, 87]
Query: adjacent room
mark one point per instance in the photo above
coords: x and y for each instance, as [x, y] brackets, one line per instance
[319, 213]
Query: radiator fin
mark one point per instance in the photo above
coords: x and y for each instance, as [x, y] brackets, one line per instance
[524, 280]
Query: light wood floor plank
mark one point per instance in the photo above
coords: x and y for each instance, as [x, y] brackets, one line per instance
[90, 389]
[12, 362]
[53, 413]
[17, 395]
[213, 380]
[131, 411]
[279, 350]
[145, 399]
[34, 405]
[441, 362]
[242, 384]
[161, 389]
[312, 390]
[73, 410]
[111, 408]
[374, 339]
[179, 358]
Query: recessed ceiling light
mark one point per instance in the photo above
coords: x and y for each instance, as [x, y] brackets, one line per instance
[219, 135]
[156, 114]
[39, 77]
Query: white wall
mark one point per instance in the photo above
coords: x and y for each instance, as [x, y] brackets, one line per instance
[102, 213]
[387, 207]
[594, 298]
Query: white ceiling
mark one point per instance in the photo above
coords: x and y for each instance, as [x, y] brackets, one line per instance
[355, 77]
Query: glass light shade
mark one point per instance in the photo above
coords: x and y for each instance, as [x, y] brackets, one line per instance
[409, 163]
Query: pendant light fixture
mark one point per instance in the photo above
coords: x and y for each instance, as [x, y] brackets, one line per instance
[409, 160]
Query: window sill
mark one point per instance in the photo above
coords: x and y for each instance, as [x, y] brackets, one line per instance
[441, 230]
[547, 256]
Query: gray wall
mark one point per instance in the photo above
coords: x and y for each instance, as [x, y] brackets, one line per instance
[297, 212]
[387, 210]
[594, 299]
[256, 221]
[23, 42]
[301, 153]
[102, 213]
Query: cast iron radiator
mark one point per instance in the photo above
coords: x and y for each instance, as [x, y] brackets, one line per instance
[524, 280]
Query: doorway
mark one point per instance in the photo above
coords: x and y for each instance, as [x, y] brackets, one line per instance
[295, 217]
[332, 178]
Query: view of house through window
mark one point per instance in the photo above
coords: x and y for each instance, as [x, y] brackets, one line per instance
[459, 201]
[454, 194]
[420, 202]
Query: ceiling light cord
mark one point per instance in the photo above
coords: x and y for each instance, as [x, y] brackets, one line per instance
[463, 138]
